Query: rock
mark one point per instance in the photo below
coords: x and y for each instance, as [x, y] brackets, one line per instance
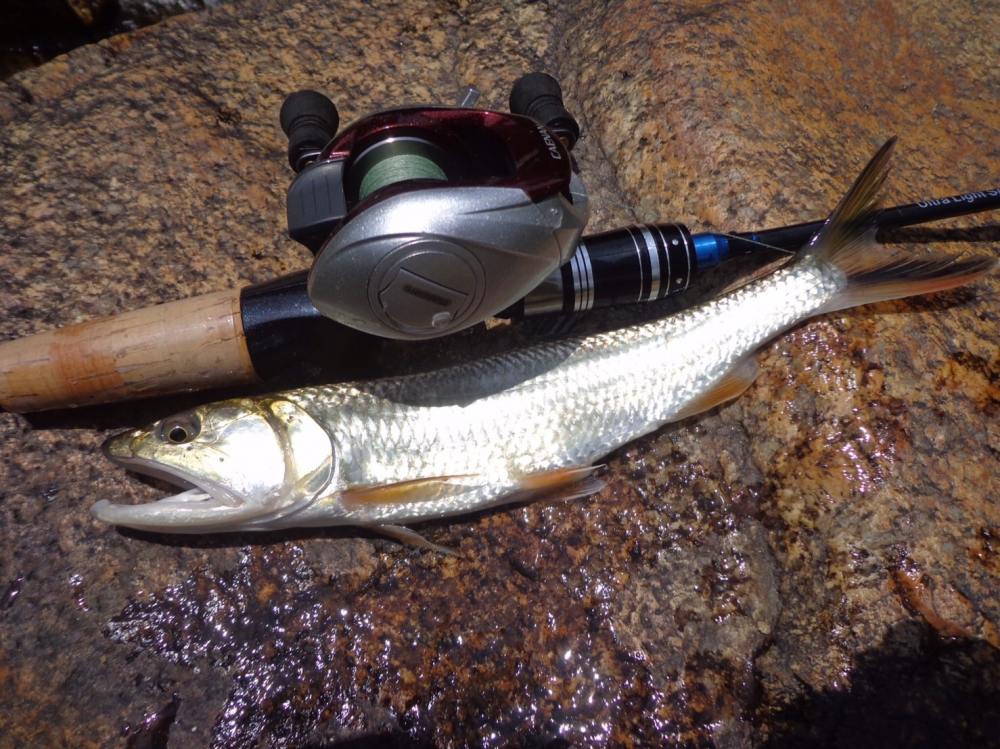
[145, 12]
[36, 30]
[815, 561]
[34, 16]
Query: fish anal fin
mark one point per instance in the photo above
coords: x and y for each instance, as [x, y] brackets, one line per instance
[404, 492]
[584, 488]
[557, 478]
[562, 484]
[730, 386]
[411, 538]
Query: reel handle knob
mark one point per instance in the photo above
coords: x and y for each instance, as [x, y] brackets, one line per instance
[539, 96]
[310, 121]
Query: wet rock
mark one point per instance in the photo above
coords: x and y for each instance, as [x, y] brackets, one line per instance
[154, 731]
[815, 560]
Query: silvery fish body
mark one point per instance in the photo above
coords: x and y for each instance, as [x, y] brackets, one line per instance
[589, 397]
[461, 439]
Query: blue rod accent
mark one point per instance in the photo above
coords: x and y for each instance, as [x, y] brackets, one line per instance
[710, 249]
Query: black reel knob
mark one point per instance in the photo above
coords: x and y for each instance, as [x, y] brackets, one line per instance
[538, 95]
[310, 121]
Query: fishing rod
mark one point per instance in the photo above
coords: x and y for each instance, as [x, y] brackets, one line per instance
[632, 265]
[652, 261]
[423, 221]
[272, 332]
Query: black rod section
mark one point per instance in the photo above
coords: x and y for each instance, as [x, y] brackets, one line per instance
[289, 340]
[924, 211]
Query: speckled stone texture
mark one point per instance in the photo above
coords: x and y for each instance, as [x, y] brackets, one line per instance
[814, 564]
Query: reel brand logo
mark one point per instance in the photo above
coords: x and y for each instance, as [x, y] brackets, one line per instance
[550, 143]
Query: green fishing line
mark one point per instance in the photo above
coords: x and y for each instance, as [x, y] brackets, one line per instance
[397, 168]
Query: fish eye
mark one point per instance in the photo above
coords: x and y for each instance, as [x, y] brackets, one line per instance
[179, 429]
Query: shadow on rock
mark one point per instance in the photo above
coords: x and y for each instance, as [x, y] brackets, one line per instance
[916, 690]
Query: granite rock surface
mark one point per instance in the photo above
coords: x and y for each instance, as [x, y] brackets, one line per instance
[816, 563]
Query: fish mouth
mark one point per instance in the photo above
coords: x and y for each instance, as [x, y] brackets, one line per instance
[205, 507]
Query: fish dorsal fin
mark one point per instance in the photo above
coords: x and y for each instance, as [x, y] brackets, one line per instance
[731, 386]
[413, 490]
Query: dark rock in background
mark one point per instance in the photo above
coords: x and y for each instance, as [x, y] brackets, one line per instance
[33, 31]
[145, 12]
[813, 564]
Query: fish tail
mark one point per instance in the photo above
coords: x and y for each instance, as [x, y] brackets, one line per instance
[873, 272]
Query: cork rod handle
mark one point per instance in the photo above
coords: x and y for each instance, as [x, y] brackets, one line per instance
[192, 344]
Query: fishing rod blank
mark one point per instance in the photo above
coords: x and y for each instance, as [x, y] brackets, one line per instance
[935, 209]
[652, 261]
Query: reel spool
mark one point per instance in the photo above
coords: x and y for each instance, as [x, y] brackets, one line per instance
[395, 160]
[426, 220]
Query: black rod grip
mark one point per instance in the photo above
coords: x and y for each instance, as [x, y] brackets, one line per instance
[625, 266]
[289, 341]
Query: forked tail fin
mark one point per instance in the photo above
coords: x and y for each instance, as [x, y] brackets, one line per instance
[875, 272]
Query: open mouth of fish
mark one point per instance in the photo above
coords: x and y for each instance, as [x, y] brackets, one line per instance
[201, 504]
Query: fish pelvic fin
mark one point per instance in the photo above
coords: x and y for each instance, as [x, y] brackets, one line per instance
[875, 272]
[730, 386]
[411, 538]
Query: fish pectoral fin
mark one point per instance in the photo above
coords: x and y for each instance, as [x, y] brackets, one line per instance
[413, 490]
[561, 484]
[411, 538]
[730, 386]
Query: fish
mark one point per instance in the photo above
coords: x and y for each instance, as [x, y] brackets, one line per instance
[512, 427]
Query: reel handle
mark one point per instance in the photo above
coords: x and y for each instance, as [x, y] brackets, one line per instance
[310, 120]
[539, 96]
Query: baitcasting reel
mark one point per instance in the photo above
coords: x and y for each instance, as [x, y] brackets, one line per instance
[426, 220]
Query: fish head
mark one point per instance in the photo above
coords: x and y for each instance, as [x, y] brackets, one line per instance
[250, 460]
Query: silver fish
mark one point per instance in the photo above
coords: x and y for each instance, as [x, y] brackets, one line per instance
[510, 427]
